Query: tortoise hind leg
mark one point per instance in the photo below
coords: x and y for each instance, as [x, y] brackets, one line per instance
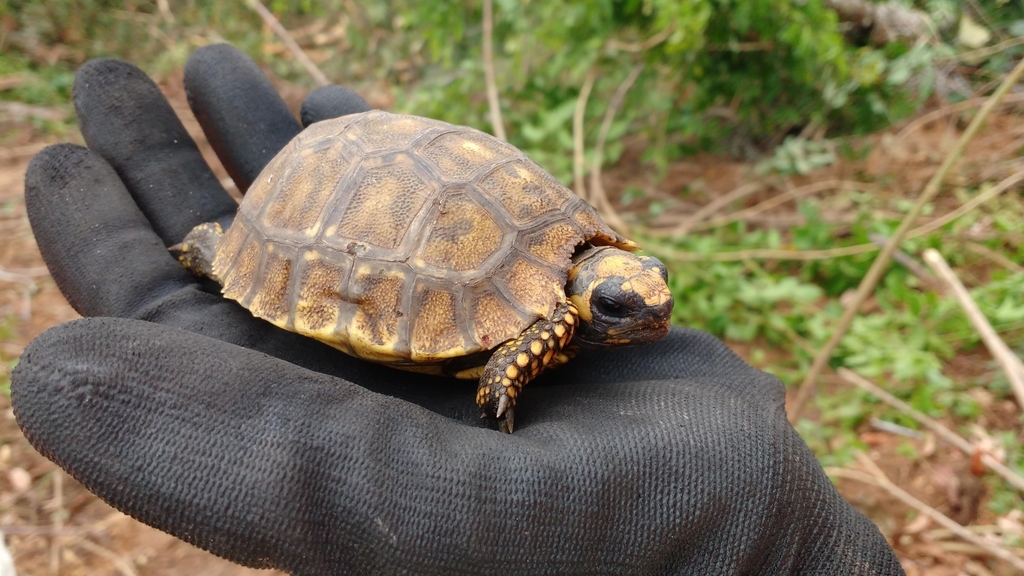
[199, 248]
[545, 344]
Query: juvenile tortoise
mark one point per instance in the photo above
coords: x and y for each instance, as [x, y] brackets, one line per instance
[433, 248]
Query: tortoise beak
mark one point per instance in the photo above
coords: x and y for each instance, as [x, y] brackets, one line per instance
[651, 324]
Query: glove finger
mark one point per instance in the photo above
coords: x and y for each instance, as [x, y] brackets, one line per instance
[329, 102]
[98, 245]
[244, 118]
[126, 120]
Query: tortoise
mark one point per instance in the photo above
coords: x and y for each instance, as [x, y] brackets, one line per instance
[432, 248]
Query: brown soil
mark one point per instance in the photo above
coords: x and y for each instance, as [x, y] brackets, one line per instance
[54, 526]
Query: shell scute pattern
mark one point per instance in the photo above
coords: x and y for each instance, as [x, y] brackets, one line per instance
[295, 209]
[463, 235]
[522, 192]
[437, 326]
[383, 204]
[403, 240]
[380, 132]
[376, 329]
[461, 155]
[322, 305]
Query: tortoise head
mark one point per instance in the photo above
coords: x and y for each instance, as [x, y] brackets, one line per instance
[622, 298]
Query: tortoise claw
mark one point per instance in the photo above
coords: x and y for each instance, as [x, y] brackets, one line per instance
[503, 405]
[506, 422]
[505, 414]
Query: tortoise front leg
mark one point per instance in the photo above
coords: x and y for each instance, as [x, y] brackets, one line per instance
[545, 344]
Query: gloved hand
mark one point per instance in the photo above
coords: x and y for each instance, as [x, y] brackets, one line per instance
[179, 408]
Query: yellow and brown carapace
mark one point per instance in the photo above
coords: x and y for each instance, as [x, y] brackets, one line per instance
[421, 245]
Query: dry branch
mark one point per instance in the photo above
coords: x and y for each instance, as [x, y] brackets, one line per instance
[973, 203]
[28, 289]
[786, 196]
[492, 84]
[941, 431]
[982, 53]
[942, 533]
[578, 158]
[1008, 361]
[907, 261]
[58, 513]
[19, 112]
[19, 152]
[597, 194]
[699, 220]
[651, 42]
[852, 250]
[165, 10]
[761, 254]
[738, 193]
[994, 256]
[972, 550]
[870, 281]
[8, 81]
[952, 109]
[896, 429]
[123, 565]
[883, 481]
[289, 43]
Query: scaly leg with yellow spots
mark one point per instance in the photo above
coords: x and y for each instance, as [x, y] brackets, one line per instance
[544, 345]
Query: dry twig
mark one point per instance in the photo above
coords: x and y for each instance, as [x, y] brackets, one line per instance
[290, 44]
[769, 254]
[994, 256]
[738, 193]
[19, 111]
[75, 531]
[56, 545]
[19, 152]
[870, 281]
[492, 84]
[8, 81]
[651, 42]
[787, 196]
[578, 158]
[761, 254]
[597, 194]
[943, 534]
[941, 431]
[1008, 361]
[908, 262]
[952, 109]
[879, 479]
[775, 254]
[973, 203]
[973, 550]
[28, 288]
[120, 562]
[983, 53]
[165, 10]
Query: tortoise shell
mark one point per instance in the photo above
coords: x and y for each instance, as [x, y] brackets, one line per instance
[404, 240]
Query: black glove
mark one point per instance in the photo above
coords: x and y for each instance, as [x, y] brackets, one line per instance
[273, 450]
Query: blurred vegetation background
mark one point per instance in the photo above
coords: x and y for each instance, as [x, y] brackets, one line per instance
[732, 75]
[786, 94]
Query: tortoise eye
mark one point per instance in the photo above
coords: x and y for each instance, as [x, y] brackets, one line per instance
[610, 307]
